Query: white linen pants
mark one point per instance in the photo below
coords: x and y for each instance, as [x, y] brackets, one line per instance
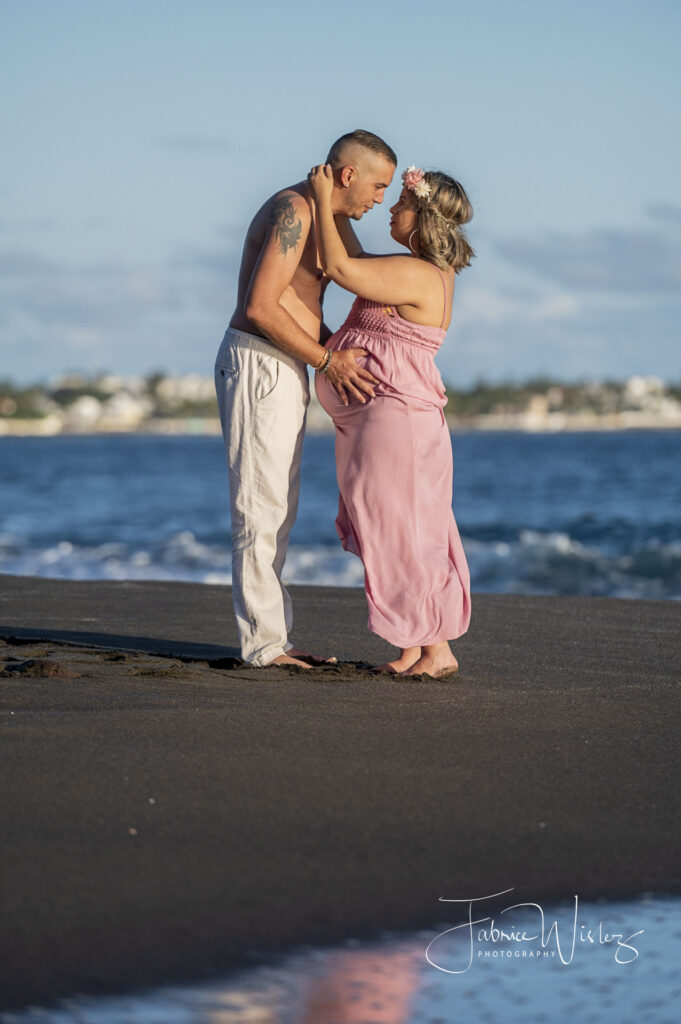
[263, 394]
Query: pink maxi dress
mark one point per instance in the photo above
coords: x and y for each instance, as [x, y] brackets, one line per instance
[394, 468]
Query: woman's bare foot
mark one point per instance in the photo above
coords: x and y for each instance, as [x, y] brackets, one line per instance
[295, 652]
[436, 660]
[408, 657]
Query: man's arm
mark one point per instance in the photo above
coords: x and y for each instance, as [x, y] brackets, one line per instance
[289, 225]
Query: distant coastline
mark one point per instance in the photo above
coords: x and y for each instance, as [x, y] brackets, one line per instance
[164, 404]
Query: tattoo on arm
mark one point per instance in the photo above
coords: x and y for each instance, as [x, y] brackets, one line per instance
[283, 217]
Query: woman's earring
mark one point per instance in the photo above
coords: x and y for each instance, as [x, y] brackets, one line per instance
[409, 241]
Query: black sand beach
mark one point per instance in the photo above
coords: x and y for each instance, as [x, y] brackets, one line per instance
[168, 813]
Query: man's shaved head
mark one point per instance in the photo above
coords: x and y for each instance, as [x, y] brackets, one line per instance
[353, 143]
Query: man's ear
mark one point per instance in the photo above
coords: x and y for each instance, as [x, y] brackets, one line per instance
[347, 174]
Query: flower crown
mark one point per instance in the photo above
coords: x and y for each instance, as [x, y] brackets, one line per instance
[415, 180]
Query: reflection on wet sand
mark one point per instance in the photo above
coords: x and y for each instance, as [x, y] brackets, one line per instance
[359, 986]
[346, 986]
[392, 982]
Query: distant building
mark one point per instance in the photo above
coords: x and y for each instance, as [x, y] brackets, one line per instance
[83, 413]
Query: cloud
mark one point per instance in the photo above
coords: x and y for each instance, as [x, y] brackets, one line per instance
[220, 261]
[26, 224]
[197, 143]
[114, 315]
[498, 336]
[668, 213]
[488, 305]
[21, 263]
[619, 260]
[109, 294]
[233, 232]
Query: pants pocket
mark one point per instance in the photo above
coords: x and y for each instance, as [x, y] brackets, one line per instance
[267, 376]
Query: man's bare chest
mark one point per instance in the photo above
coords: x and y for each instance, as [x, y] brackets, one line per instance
[309, 275]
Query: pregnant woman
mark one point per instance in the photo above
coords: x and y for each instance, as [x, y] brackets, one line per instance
[393, 452]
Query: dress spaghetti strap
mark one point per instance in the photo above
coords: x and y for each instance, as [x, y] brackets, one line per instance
[444, 286]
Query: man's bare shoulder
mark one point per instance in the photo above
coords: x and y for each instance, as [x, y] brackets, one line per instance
[288, 214]
[286, 200]
[291, 202]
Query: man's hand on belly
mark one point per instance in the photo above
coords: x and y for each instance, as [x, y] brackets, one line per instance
[347, 378]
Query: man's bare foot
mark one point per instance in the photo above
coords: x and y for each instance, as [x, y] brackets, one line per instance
[408, 657]
[436, 660]
[286, 659]
[295, 652]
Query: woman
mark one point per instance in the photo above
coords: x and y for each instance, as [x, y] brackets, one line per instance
[393, 453]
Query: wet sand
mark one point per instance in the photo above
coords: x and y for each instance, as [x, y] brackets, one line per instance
[169, 814]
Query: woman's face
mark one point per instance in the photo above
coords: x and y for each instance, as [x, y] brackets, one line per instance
[404, 218]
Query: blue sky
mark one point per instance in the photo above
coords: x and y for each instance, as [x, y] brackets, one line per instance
[139, 137]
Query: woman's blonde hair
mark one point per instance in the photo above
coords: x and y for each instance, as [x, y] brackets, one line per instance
[441, 217]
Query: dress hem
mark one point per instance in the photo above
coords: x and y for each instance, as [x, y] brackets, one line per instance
[417, 643]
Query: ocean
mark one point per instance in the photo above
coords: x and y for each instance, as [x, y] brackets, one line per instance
[570, 513]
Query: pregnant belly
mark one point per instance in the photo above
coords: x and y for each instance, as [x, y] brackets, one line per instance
[327, 396]
[397, 383]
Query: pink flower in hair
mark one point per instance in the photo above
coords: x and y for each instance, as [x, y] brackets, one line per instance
[414, 179]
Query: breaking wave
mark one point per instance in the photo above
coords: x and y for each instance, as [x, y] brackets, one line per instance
[534, 562]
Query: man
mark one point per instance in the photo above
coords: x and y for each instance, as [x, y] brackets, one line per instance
[262, 384]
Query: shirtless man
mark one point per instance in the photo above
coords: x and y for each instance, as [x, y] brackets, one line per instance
[261, 381]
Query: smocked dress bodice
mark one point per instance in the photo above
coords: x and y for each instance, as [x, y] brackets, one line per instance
[401, 353]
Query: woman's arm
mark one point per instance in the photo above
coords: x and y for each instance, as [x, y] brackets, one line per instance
[397, 280]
